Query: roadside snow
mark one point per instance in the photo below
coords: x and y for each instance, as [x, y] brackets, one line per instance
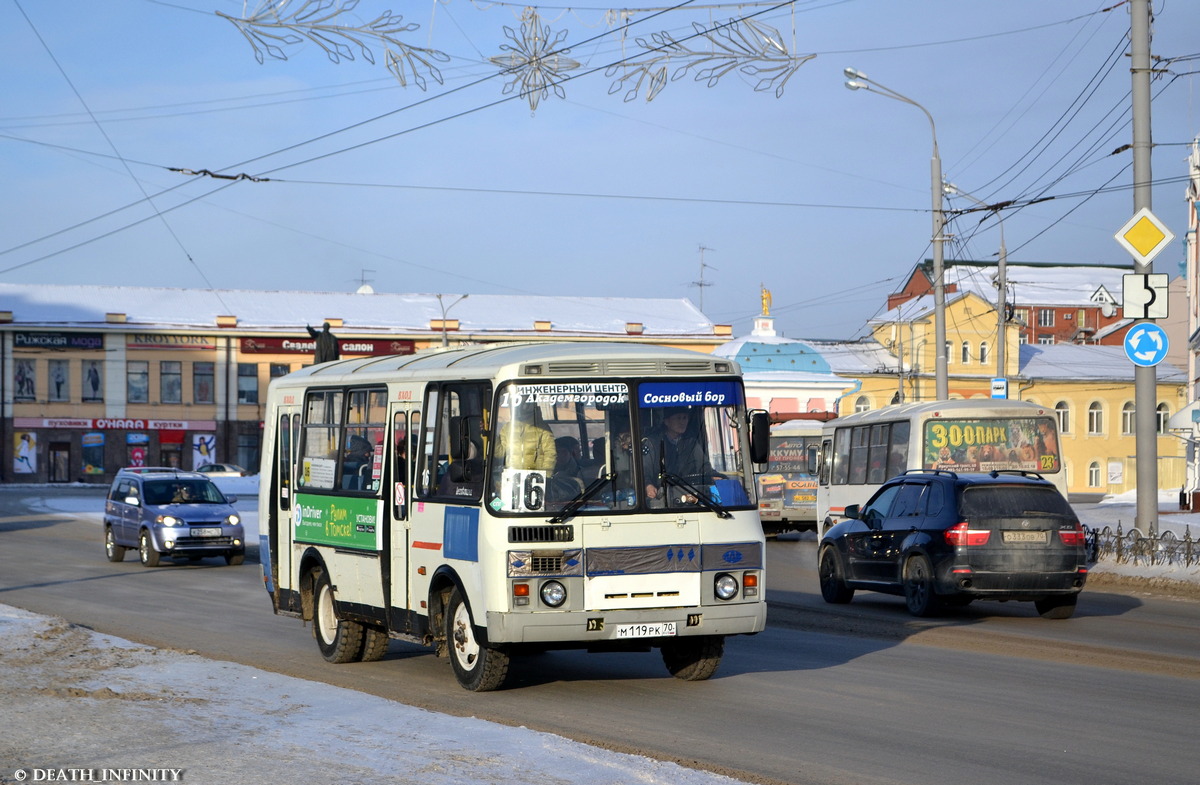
[76, 699]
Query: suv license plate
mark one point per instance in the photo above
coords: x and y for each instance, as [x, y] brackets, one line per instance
[655, 630]
[206, 532]
[1022, 536]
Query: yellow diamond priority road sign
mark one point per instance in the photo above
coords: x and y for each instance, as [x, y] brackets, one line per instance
[1144, 236]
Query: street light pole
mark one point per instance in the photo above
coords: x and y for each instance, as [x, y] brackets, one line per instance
[1001, 279]
[857, 80]
[445, 310]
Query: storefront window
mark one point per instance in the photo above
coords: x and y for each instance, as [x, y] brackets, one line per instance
[137, 378]
[170, 381]
[60, 380]
[202, 383]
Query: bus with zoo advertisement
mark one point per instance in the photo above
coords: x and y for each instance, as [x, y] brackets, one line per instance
[859, 452]
[495, 500]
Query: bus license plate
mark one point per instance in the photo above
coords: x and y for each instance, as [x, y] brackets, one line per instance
[655, 630]
[206, 532]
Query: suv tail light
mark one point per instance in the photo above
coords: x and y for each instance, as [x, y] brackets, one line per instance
[963, 534]
[1072, 536]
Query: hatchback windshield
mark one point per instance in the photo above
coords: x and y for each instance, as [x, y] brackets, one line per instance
[182, 491]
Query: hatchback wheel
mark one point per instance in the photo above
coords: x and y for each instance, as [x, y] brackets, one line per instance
[918, 587]
[113, 551]
[146, 551]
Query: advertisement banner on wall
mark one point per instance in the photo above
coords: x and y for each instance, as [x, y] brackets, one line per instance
[204, 449]
[24, 453]
[93, 453]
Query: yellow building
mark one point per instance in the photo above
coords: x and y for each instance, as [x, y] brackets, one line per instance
[1089, 388]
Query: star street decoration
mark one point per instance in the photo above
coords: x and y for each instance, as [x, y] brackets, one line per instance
[317, 21]
[534, 62]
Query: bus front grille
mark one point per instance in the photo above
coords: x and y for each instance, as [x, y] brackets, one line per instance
[563, 533]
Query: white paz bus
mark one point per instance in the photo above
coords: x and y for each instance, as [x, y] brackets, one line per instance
[521, 497]
[859, 452]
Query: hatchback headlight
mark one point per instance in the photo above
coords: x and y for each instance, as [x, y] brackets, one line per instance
[726, 586]
[232, 520]
[169, 520]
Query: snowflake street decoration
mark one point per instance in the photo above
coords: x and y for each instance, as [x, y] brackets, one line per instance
[751, 48]
[277, 23]
[534, 63]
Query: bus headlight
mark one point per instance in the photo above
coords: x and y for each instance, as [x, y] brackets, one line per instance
[553, 593]
[726, 586]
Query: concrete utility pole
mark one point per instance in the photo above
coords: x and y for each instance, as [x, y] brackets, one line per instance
[1145, 379]
[857, 80]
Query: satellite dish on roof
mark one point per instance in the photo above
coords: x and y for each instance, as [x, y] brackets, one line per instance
[1108, 309]
[364, 289]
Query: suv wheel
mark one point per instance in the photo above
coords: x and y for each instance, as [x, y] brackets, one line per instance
[234, 559]
[113, 551]
[833, 588]
[146, 551]
[918, 587]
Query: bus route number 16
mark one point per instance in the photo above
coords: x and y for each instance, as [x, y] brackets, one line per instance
[523, 490]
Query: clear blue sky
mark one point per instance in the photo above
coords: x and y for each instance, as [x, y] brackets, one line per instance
[822, 194]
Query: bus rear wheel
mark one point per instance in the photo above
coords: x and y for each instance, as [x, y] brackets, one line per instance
[477, 667]
[339, 640]
[694, 658]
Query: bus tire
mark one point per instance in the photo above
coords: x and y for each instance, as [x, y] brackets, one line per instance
[694, 658]
[833, 586]
[478, 667]
[146, 552]
[339, 640]
[113, 551]
[919, 595]
[375, 643]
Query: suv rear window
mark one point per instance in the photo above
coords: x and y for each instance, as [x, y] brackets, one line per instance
[1013, 501]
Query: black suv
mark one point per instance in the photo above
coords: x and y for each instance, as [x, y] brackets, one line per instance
[945, 539]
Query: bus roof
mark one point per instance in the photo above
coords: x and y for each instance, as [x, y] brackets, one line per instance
[953, 408]
[551, 359]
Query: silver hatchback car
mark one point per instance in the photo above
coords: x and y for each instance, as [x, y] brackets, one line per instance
[168, 512]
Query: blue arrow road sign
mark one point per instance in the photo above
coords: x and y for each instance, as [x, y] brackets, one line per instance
[1146, 344]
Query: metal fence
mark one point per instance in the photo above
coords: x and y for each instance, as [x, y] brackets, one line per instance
[1134, 547]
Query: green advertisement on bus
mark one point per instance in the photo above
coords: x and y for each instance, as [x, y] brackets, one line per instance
[340, 521]
[997, 443]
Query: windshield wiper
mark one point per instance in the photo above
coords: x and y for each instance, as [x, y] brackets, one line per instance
[701, 497]
[583, 498]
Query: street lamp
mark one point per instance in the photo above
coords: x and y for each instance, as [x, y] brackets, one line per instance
[1001, 276]
[857, 80]
[445, 310]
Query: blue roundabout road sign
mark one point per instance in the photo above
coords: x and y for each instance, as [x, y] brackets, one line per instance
[1146, 344]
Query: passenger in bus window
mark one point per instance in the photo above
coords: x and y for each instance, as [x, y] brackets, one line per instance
[566, 483]
[673, 446]
[526, 441]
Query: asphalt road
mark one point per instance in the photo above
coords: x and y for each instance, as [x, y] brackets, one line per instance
[828, 694]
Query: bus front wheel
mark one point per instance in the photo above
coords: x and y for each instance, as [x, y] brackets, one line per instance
[694, 658]
[339, 640]
[477, 667]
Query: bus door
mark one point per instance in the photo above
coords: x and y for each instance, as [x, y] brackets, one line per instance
[275, 539]
[404, 426]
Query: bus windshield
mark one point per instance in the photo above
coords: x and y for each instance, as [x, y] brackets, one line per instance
[585, 445]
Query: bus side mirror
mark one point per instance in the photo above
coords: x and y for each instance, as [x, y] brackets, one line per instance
[814, 465]
[760, 436]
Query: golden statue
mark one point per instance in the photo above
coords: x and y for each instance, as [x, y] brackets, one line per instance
[766, 300]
